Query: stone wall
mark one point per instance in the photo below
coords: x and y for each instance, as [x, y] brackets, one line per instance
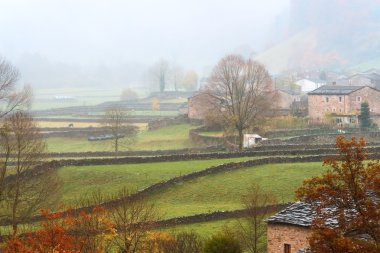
[306, 131]
[202, 140]
[157, 124]
[331, 138]
[280, 234]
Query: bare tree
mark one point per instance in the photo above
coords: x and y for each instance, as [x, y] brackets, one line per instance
[132, 218]
[10, 99]
[160, 73]
[251, 230]
[115, 119]
[241, 90]
[178, 76]
[25, 191]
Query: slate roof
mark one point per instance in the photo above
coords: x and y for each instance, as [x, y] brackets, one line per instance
[299, 214]
[371, 76]
[290, 92]
[335, 90]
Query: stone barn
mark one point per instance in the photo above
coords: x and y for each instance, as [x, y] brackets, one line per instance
[288, 231]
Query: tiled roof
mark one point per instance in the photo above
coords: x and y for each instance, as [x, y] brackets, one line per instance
[299, 214]
[335, 90]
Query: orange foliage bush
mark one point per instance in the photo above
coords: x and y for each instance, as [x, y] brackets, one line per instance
[86, 232]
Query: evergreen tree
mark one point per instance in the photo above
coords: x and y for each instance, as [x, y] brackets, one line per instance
[364, 117]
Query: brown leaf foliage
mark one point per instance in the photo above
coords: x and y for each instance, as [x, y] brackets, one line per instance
[345, 201]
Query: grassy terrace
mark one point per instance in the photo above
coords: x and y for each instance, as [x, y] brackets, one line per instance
[78, 181]
[220, 191]
[172, 137]
[223, 191]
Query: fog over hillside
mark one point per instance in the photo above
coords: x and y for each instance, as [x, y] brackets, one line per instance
[95, 43]
[323, 34]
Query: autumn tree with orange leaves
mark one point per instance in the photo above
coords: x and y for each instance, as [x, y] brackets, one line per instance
[345, 201]
[86, 232]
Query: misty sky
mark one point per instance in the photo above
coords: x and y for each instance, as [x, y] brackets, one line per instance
[190, 32]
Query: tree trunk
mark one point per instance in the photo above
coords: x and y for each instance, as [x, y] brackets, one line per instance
[116, 146]
[241, 137]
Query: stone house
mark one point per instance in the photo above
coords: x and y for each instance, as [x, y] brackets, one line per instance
[288, 231]
[199, 106]
[285, 98]
[360, 79]
[342, 104]
[365, 79]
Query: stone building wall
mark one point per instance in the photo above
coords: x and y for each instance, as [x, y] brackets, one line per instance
[366, 94]
[199, 106]
[284, 100]
[280, 234]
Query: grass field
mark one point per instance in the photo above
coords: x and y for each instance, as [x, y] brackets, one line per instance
[82, 180]
[204, 229]
[65, 123]
[46, 98]
[171, 137]
[223, 191]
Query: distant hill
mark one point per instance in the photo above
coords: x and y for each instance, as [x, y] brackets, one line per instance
[327, 34]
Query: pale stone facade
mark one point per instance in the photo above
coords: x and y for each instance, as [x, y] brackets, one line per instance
[279, 235]
[342, 102]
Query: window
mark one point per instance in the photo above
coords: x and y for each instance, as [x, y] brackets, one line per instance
[326, 99]
[358, 99]
[340, 99]
[287, 248]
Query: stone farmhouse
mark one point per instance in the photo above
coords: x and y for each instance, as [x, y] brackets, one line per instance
[285, 98]
[342, 104]
[361, 79]
[288, 231]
